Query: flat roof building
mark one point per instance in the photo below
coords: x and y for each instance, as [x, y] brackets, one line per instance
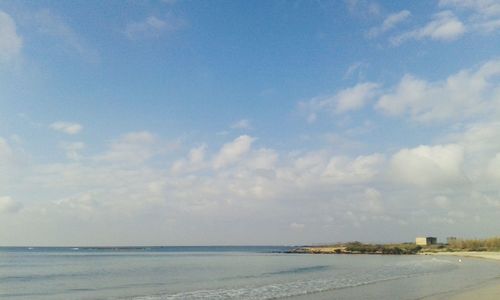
[425, 241]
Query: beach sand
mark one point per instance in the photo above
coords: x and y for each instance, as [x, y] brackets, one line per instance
[483, 254]
[487, 291]
[491, 291]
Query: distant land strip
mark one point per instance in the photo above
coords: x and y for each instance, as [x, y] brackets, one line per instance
[457, 245]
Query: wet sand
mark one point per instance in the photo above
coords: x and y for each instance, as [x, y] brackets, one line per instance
[488, 291]
[491, 291]
[484, 254]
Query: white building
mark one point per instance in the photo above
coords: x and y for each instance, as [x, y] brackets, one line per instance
[425, 241]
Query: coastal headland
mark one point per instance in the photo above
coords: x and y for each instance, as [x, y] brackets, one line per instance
[461, 248]
[484, 248]
[359, 248]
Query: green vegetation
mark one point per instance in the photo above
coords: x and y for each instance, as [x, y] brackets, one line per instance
[491, 244]
[360, 248]
[406, 248]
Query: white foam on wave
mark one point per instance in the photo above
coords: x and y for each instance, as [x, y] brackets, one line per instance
[311, 286]
[272, 291]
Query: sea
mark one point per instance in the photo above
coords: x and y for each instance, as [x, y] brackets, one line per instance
[260, 272]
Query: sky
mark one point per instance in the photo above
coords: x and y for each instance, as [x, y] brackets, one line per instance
[248, 122]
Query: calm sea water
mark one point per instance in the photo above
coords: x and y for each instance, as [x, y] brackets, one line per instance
[229, 273]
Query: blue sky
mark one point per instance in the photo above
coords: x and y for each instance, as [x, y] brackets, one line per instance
[242, 122]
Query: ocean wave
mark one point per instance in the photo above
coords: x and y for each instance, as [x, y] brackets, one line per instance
[299, 270]
[271, 291]
[311, 286]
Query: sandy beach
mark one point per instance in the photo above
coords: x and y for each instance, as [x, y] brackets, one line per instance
[487, 291]
[490, 291]
[483, 254]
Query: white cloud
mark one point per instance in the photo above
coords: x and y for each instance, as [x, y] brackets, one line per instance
[409, 94]
[73, 149]
[488, 26]
[10, 42]
[481, 140]
[133, 148]
[85, 202]
[55, 26]
[8, 159]
[197, 155]
[463, 95]
[242, 124]
[445, 26]
[484, 15]
[356, 97]
[345, 100]
[194, 162]
[153, 27]
[481, 144]
[442, 201]
[67, 127]
[363, 7]
[260, 183]
[8, 205]
[493, 168]
[297, 226]
[373, 201]
[356, 68]
[310, 163]
[233, 151]
[389, 23]
[345, 171]
[263, 159]
[485, 7]
[5, 150]
[428, 166]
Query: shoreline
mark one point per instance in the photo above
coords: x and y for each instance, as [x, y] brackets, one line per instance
[470, 254]
[489, 290]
